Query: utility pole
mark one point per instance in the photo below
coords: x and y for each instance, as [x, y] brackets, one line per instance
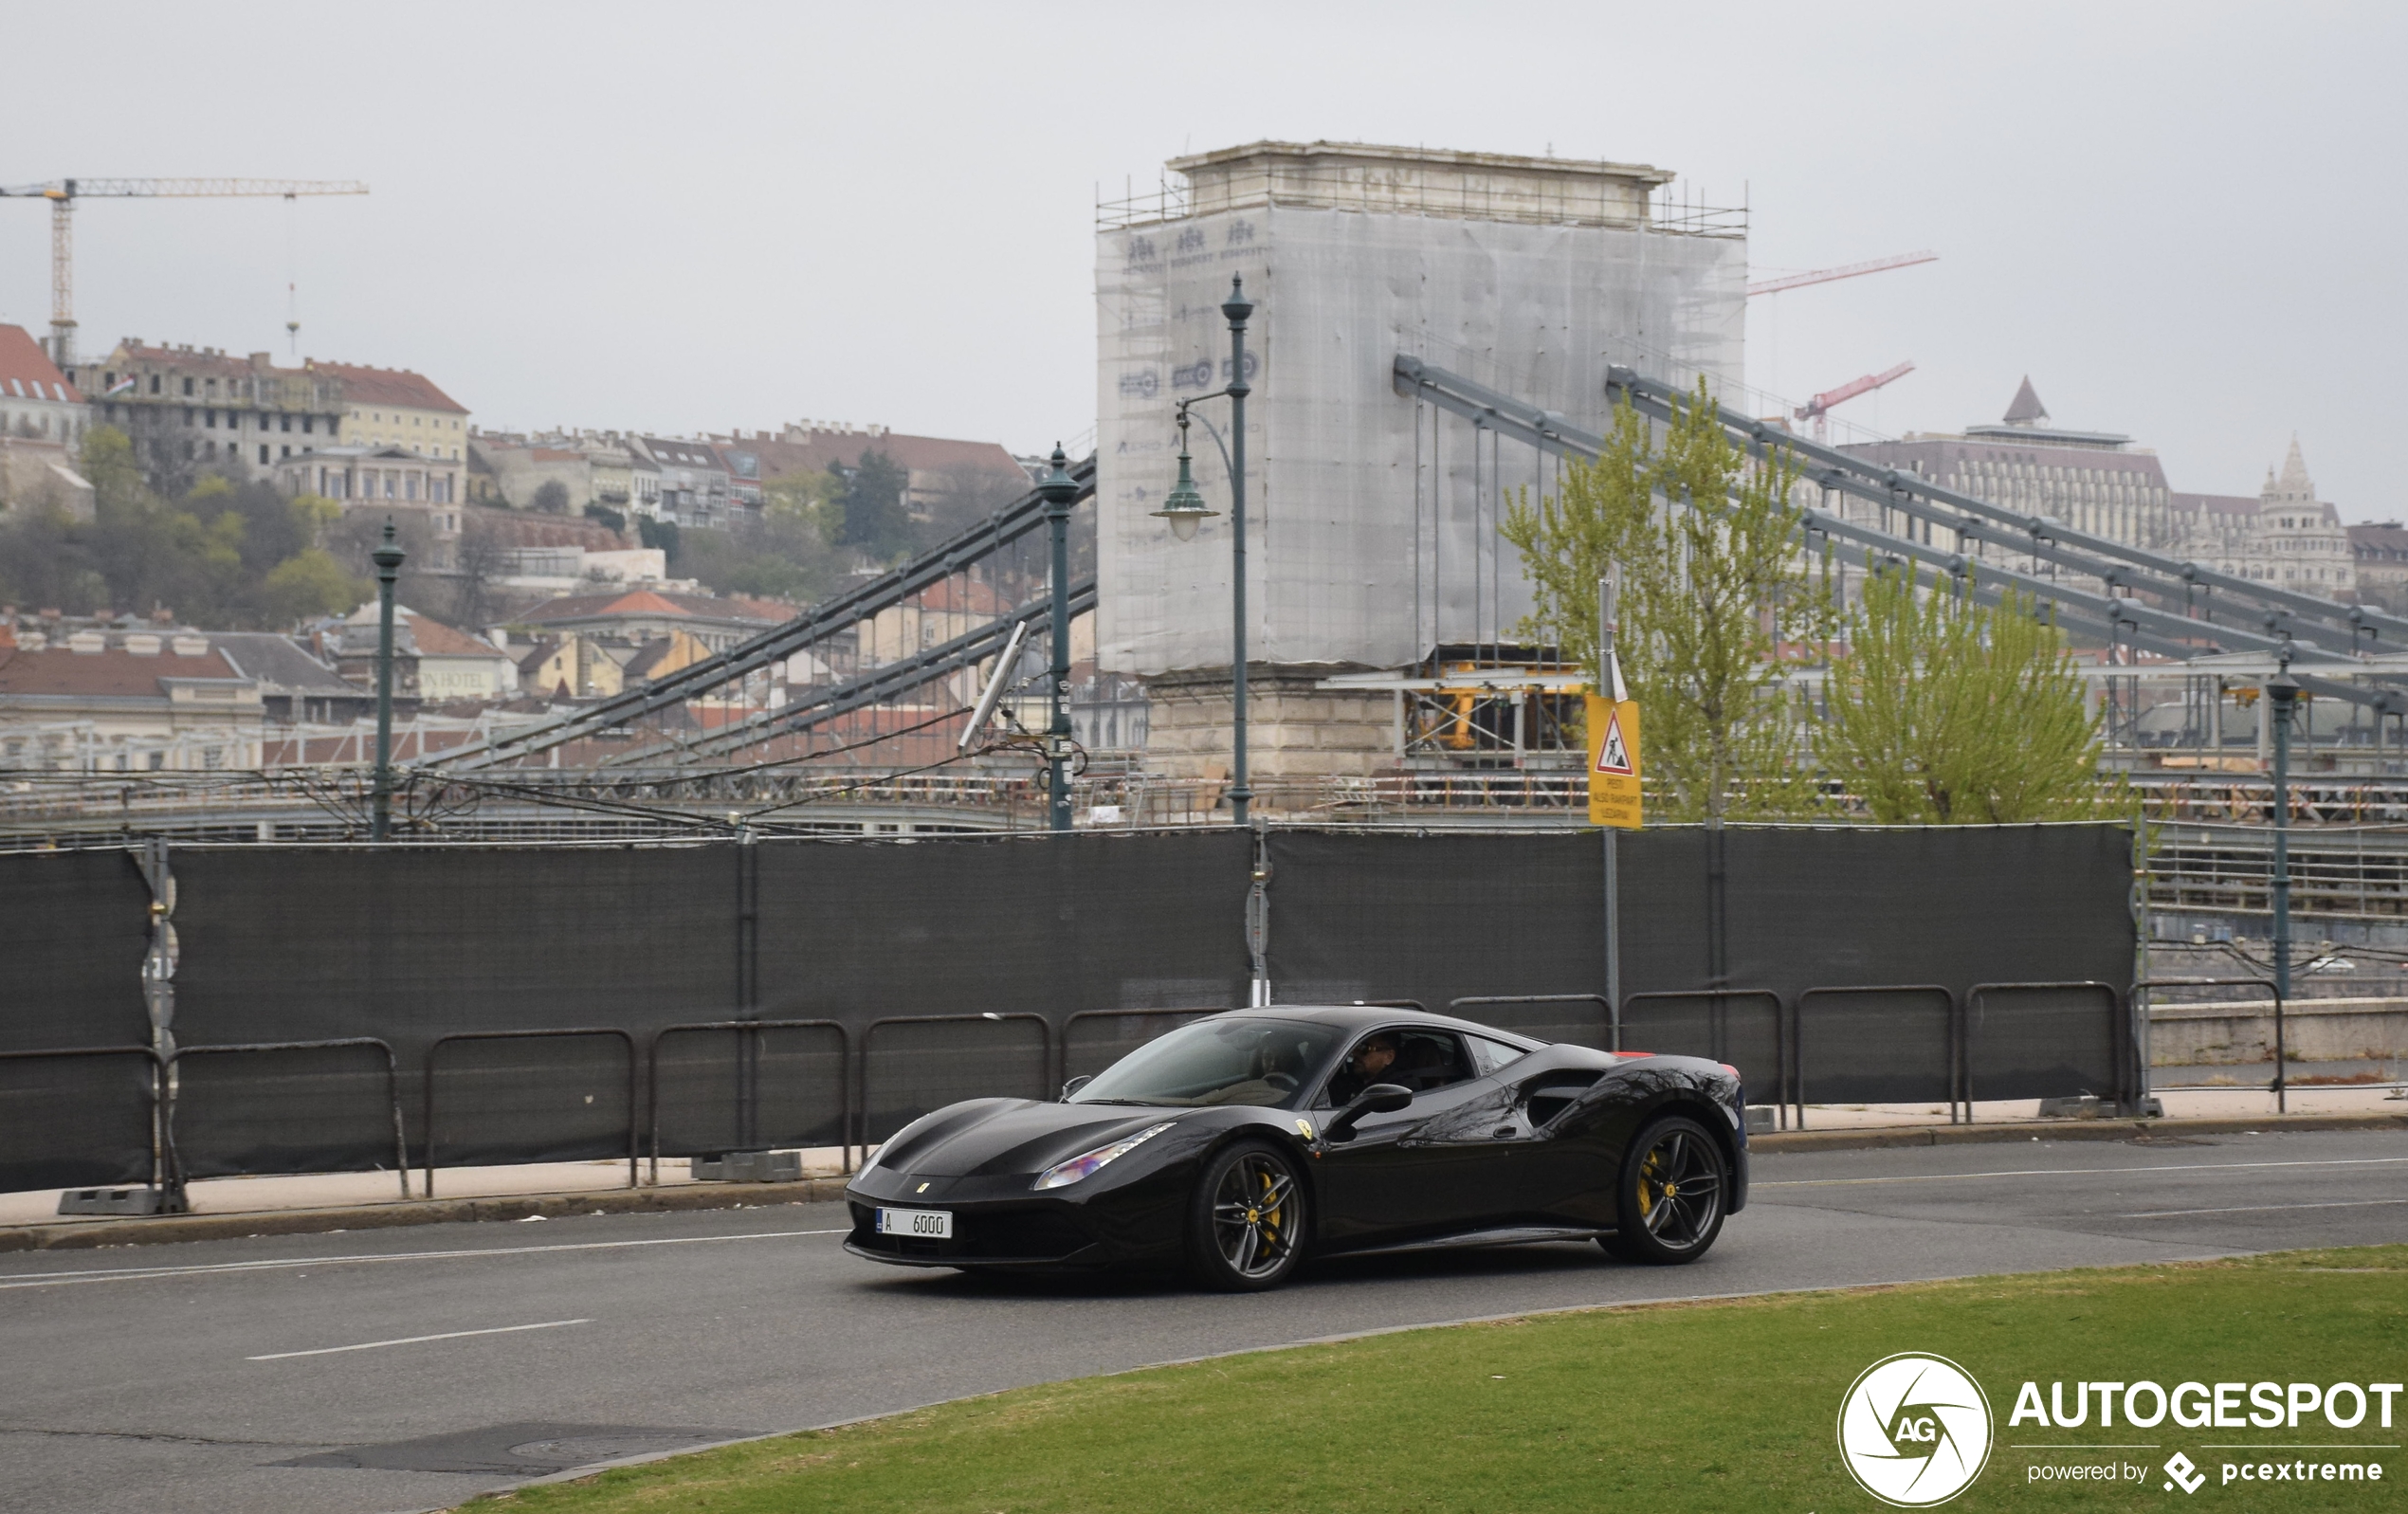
[1058, 491]
[1237, 307]
[1610, 684]
[2282, 697]
[387, 559]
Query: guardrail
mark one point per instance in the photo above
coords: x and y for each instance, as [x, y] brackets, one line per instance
[747, 1131]
[392, 1086]
[1779, 1046]
[442, 1041]
[2141, 989]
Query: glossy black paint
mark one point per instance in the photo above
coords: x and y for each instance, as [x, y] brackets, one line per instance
[1533, 1146]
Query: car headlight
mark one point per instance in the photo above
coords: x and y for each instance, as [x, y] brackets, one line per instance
[1060, 1174]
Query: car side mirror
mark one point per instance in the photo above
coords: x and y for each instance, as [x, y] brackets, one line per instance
[1076, 1084]
[1379, 1098]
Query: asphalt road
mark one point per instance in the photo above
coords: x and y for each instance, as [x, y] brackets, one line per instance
[187, 1377]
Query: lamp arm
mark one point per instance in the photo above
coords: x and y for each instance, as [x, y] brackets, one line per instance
[1226, 465]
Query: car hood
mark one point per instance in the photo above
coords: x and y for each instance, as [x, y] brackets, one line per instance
[994, 1137]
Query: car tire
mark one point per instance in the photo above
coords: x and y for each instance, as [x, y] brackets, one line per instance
[1671, 1194]
[1247, 1220]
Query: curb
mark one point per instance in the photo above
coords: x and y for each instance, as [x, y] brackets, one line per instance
[164, 1229]
[167, 1229]
[2063, 1130]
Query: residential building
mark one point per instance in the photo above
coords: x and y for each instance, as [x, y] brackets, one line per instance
[394, 407]
[2379, 551]
[568, 667]
[2096, 481]
[694, 483]
[941, 472]
[294, 686]
[192, 410]
[638, 615]
[124, 702]
[946, 608]
[519, 468]
[43, 418]
[380, 474]
[433, 664]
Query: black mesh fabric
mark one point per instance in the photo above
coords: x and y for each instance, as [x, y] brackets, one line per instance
[858, 931]
[1580, 1022]
[723, 1090]
[2040, 1043]
[1743, 1030]
[549, 1098]
[1092, 1042]
[77, 1120]
[915, 1067]
[302, 1110]
[77, 926]
[1890, 1045]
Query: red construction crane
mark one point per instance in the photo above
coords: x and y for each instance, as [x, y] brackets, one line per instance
[63, 193]
[1799, 281]
[1817, 409]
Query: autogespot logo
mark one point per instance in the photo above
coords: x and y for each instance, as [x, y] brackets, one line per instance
[1915, 1430]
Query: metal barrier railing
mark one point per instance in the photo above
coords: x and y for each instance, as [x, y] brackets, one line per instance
[442, 1041]
[1718, 1030]
[844, 1074]
[1952, 1020]
[392, 1086]
[858, 1059]
[1612, 1021]
[2141, 989]
[162, 1128]
[2121, 1052]
[868, 1037]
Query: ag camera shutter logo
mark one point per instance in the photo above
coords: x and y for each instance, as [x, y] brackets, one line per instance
[1915, 1430]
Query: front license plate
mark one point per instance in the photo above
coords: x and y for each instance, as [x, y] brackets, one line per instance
[926, 1224]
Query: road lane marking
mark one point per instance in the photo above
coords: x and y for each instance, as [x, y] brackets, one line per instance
[2260, 1209]
[138, 1275]
[2076, 1172]
[415, 1339]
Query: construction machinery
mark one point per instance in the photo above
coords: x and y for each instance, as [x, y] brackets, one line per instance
[1818, 408]
[63, 193]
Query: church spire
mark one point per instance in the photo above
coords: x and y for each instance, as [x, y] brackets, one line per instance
[2295, 480]
[2027, 409]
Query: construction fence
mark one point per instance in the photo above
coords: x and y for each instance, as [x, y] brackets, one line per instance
[207, 1011]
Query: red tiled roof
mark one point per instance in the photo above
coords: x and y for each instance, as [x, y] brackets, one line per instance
[26, 374]
[389, 386]
[641, 602]
[112, 673]
[189, 359]
[435, 639]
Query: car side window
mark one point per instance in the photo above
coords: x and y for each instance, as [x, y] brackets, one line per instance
[1487, 1056]
[1413, 1059]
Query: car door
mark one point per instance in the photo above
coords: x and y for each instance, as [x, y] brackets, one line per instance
[1392, 1181]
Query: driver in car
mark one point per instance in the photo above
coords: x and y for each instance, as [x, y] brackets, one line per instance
[1363, 1068]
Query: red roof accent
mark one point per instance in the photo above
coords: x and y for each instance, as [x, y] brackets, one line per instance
[435, 639]
[21, 358]
[115, 671]
[389, 386]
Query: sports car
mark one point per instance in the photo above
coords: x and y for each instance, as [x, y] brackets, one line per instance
[1240, 1144]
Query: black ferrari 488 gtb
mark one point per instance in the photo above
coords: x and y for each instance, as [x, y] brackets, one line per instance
[1243, 1143]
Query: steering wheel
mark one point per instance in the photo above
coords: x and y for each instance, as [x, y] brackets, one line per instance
[1280, 1081]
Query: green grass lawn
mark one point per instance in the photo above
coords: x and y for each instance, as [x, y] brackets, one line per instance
[1725, 1406]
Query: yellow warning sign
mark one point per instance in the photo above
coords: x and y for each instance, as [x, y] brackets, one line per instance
[1614, 762]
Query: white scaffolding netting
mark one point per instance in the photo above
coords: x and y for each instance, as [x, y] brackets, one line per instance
[1372, 519]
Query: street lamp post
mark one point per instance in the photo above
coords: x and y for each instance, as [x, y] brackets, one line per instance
[1059, 492]
[2282, 695]
[387, 559]
[1185, 510]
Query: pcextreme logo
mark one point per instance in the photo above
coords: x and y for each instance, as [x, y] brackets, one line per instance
[1914, 1429]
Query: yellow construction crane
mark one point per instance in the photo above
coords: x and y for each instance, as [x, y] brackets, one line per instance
[63, 193]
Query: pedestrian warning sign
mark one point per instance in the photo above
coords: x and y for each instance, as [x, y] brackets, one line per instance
[1614, 762]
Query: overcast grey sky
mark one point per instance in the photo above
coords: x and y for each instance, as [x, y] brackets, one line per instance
[2182, 220]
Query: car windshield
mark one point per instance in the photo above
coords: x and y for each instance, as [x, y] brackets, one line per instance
[1215, 1062]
